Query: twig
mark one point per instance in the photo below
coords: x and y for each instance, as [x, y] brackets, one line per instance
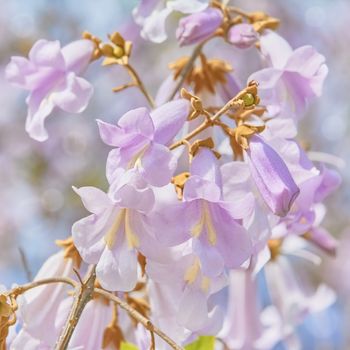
[83, 295]
[140, 318]
[28, 286]
[140, 84]
[25, 264]
[153, 341]
[234, 102]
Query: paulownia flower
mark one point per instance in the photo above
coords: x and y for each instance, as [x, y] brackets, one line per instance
[39, 306]
[116, 230]
[246, 326]
[141, 138]
[295, 78]
[51, 76]
[219, 239]
[190, 288]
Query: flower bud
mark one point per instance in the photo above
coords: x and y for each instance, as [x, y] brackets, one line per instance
[198, 26]
[271, 176]
[242, 35]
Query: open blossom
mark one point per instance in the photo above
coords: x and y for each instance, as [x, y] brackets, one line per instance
[198, 26]
[298, 74]
[242, 35]
[116, 230]
[51, 77]
[191, 288]
[152, 15]
[141, 140]
[219, 239]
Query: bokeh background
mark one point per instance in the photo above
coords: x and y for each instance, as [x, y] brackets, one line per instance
[37, 204]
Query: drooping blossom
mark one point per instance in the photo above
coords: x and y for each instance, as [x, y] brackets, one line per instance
[51, 75]
[198, 26]
[242, 35]
[191, 288]
[116, 230]
[298, 74]
[152, 15]
[291, 291]
[219, 239]
[247, 326]
[39, 306]
[141, 140]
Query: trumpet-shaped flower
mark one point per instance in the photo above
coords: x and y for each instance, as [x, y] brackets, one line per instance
[191, 288]
[116, 230]
[141, 138]
[219, 238]
[295, 78]
[51, 76]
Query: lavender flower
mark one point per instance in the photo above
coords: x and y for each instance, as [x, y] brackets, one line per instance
[51, 76]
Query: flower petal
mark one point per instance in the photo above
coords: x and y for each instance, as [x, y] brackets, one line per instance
[168, 120]
[158, 165]
[40, 107]
[73, 95]
[77, 55]
[47, 53]
[275, 48]
[154, 26]
[94, 200]
[186, 6]
[193, 309]
[117, 268]
[271, 176]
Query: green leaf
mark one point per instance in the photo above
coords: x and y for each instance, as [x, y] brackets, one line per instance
[202, 343]
[128, 346]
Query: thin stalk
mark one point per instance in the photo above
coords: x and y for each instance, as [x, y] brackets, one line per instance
[140, 84]
[137, 316]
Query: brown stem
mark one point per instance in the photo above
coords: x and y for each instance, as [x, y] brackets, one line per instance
[234, 102]
[140, 318]
[239, 11]
[140, 84]
[83, 295]
[186, 69]
[25, 287]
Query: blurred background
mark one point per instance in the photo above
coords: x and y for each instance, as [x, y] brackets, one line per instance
[36, 200]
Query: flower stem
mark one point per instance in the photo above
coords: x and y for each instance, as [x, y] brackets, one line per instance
[186, 69]
[137, 316]
[140, 84]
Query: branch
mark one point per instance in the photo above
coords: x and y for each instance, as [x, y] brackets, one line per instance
[140, 318]
[25, 287]
[83, 295]
[186, 69]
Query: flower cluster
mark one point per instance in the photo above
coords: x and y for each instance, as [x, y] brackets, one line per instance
[208, 187]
